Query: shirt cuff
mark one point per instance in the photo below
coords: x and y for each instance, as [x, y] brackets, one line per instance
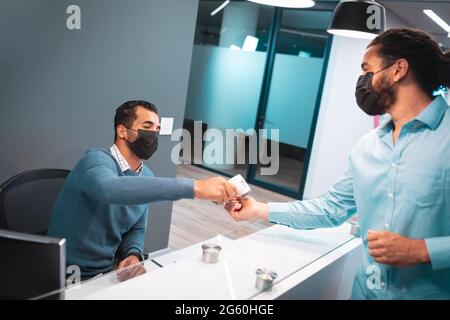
[439, 252]
[131, 251]
[278, 212]
[185, 188]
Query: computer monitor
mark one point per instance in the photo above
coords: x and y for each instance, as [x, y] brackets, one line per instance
[31, 266]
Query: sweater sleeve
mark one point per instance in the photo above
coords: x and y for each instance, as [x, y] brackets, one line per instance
[97, 177]
[133, 240]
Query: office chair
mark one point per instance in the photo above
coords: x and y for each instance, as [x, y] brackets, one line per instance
[27, 200]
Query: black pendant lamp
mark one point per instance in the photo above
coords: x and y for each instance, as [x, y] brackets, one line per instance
[363, 19]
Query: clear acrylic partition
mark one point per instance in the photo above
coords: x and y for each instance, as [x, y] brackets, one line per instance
[276, 251]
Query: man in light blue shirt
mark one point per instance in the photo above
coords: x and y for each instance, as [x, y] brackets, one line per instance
[397, 178]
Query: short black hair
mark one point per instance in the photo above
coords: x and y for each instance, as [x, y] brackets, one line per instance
[126, 113]
[428, 63]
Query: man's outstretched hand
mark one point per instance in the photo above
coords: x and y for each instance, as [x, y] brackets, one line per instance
[246, 208]
[217, 189]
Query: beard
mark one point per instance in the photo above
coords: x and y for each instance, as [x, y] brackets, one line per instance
[387, 97]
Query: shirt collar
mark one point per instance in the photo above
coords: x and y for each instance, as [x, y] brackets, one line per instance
[431, 116]
[123, 163]
[385, 127]
[433, 113]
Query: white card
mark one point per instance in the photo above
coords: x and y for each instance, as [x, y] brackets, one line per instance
[242, 188]
[166, 127]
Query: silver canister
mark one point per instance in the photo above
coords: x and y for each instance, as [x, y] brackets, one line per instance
[264, 279]
[210, 252]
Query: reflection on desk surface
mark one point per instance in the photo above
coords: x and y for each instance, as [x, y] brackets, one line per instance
[183, 275]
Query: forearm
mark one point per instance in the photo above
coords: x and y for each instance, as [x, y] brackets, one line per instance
[318, 213]
[420, 252]
[132, 242]
[98, 178]
[138, 190]
[329, 210]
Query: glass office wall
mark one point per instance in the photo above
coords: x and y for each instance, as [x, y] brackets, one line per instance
[227, 69]
[256, 67]
[295, 82]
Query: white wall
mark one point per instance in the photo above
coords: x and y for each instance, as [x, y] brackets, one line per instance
[340, 123]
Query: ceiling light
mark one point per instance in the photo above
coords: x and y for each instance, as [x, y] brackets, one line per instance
[438, 20]
[223, 5]
[286, 3]
[363, 19]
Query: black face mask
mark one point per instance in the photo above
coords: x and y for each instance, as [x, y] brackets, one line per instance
[371, 102]
[146, 143]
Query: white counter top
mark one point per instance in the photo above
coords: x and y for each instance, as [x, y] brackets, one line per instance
[293, 254]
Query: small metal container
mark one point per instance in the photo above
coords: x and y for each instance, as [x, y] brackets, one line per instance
[264, 279]
[210, 253]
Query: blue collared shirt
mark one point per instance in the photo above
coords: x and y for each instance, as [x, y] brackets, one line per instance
[402, 188]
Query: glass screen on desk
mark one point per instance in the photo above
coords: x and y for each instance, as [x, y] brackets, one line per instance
[246, 263]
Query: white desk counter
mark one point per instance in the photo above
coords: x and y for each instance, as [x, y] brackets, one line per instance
[311, 264]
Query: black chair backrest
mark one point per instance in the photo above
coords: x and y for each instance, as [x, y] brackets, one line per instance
[27, 200]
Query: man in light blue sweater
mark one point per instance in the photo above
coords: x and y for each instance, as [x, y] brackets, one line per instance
[102, 209]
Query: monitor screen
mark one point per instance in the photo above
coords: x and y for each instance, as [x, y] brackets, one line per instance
[31, 266]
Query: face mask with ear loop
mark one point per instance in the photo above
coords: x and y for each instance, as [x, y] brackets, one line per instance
[366, 96]
[146, 143]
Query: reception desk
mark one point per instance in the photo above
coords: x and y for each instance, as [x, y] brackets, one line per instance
[310, 264]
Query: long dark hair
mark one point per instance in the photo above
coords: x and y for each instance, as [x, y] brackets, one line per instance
[428, 63]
